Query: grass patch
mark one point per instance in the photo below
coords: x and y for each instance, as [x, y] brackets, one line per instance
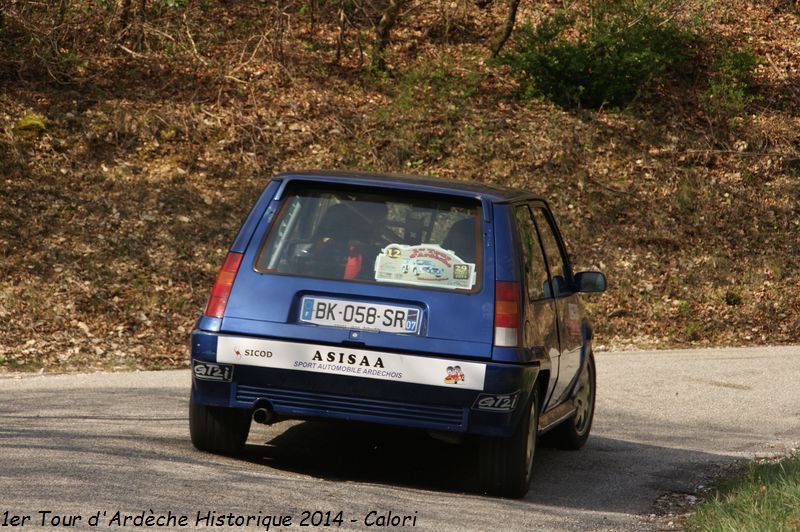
[764, 497]
[419, 124]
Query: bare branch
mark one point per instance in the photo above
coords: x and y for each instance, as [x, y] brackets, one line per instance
[131, 52]
[191, 41]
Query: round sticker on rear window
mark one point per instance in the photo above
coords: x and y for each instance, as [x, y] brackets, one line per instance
[423, 265]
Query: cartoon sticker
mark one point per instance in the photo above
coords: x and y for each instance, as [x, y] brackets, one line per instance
[454, 375]
[423, 265]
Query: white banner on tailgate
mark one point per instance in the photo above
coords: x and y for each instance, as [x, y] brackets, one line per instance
[351, 362]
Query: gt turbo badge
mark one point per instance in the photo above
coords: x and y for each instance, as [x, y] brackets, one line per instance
[496, 402]
[212, 372]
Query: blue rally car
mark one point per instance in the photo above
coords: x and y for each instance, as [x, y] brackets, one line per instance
[445, 306]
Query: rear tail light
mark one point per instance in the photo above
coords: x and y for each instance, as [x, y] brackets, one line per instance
[506, 314]
[222, 286]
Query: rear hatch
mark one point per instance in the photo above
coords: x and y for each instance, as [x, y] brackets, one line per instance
[377, 268]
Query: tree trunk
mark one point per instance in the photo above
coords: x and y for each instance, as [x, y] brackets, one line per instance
[383, 31]
[142, 11]
[140, 36]
[342, 18]
[508, 27]
[125, 14]
[62, 10]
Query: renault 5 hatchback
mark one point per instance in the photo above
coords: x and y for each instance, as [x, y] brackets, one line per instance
[445, 306]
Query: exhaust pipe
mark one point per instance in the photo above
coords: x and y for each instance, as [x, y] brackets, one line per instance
[263, 416]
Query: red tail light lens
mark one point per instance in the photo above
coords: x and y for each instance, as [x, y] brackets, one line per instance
[222, 286]
[506, 314]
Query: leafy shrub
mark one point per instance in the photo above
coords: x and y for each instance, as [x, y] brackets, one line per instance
[731, 84]
[603, 58]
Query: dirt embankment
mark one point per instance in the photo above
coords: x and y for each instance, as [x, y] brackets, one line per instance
[127, 163]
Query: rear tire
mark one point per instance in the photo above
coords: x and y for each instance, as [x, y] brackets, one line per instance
[573, 432]
[506, 464]
[218, 430]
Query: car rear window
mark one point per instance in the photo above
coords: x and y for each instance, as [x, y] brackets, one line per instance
[380, 236]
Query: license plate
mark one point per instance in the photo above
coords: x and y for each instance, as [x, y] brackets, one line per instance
[360, 315]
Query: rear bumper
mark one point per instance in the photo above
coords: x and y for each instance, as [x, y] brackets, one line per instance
[491, 407]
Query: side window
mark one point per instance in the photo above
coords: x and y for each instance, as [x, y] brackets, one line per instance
[534, 268]
[555, 260]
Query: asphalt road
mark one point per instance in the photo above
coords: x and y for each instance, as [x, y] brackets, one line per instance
[83, 444]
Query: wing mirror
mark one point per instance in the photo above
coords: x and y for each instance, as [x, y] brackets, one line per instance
[590, 282]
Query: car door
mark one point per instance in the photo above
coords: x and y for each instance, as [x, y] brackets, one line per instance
[567, 305]
[541, 326]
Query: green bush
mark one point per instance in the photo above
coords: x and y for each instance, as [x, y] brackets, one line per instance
[731, 84]
[601, 58]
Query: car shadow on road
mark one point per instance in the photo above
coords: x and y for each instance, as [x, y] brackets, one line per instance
[149, 432]
[609, 475]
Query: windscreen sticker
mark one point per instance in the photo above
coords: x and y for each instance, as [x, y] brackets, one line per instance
[349, 362]
[423, 265]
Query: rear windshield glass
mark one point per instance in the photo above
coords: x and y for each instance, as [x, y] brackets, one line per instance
[382, 237]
